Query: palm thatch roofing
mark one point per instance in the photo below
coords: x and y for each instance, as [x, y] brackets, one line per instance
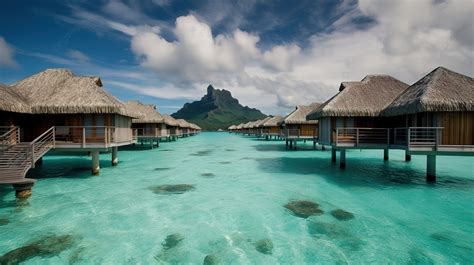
[232, 127]
[261, 122]
[194, 126]
[182, 123]
[274, 121]
[240, 126]
[170, 121]
[11, 101]
[246, 125]
[367, 98]
[59, 91]
[144, 113]
[298, 116]
[253, 124]
[440, 90]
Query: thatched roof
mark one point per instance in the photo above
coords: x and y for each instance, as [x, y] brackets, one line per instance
[183, 123]
[367, 98]
[240, 126]
[144, 113]
[170, 121]
[11, 101]
[246, 125]
[440, 90]
[254, 124]
[261, 122]
[298, 116]
[274, 121]
[232, 127]
[194, 126]
[59, 91]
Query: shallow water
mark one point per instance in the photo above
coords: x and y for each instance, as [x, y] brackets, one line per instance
[239, 188]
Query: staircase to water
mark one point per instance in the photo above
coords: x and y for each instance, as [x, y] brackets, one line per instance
[16, 157]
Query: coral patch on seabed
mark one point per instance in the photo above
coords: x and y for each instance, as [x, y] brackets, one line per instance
[172, 189]
[208, 175]
[211, 260]
[46, 246]
[342, 215]
[162, 168]
[304, 209]
[4, 221]
[264, 246]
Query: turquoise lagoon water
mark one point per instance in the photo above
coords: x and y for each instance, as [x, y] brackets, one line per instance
[241, 185]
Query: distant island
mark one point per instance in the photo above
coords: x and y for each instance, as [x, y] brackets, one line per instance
[217, 110]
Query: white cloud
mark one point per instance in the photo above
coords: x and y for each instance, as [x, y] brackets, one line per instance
[407, 39]
[78, 55]
[6, 54]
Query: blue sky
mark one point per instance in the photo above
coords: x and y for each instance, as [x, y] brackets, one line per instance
[271, 55]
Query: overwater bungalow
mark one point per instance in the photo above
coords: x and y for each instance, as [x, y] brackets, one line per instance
[272, 128]
[184, 127]
[259, 126]
[253, 127]
[194, 128]
[351, 118]
[149, 126]
[298, 128]
[437, 117]
[231, 128]
[172, 127]
[56, 109]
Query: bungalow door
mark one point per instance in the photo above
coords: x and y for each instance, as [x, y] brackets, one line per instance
[94, 128]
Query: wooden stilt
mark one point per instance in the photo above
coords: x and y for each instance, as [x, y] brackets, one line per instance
[407, 156]
[342, 159]
[114, 156]
[385, 154]
[95, 163]
[333, 155]
[431, 168]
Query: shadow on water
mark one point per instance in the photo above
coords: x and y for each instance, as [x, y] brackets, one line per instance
[70, 167]
[369, 172]
[282, 147]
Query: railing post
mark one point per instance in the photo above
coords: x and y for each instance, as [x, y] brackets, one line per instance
[408, 137]
[33, 155]
[357, 136]
[337, 136]
[18, 134]
[54, 137]
[388, 137]
[83, 137]
[437, 138]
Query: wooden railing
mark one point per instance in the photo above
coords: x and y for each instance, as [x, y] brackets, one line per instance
[95, 136]
[297, 133]
[41, 145]
[150, 132]
[362, 136]
[418, 136]
[9, 135]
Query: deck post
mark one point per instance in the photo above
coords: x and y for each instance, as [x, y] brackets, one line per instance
[431, 168]
[314, 144]
[291, 144]
[95, 163]
[23, 191]
[342, 159]
[407, 156]
[385, 154]
[323, 148]
[333, 155]
[294, 145]
[286, 143]
[114, 156]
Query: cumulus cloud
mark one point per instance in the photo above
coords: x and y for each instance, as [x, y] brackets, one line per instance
[406, 40]
[6, 54]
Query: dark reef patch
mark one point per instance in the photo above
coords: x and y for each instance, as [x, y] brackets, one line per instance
[202, 153]
[162, 168]
[304, 209]
[211, 260]
[208, 175]
[342, 215]
[46, 246]
[172, 189]
[172, 241]
[264, 246]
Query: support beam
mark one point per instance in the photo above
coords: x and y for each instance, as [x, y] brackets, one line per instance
[286, 143]
[407, 156]
[95, 163]
[314, 144]
[291, 144]
[114, 156]
[323, 148]
[431, 168]
[333, 155]
[342, 159]
[385, 154]
[294, 145]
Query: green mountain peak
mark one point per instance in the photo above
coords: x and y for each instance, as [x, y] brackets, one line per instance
[217, 110]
